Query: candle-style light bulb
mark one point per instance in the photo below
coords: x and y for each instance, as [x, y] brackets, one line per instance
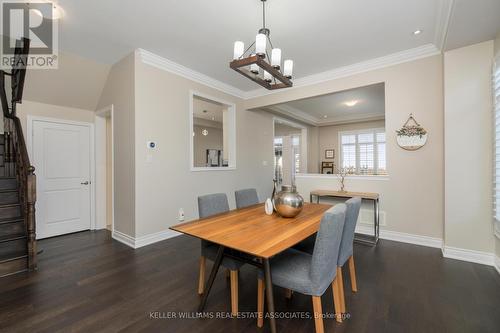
[288, 68]
[254, 68]
[260, 44]
[276, 58]
[239, 48]
[267, 76]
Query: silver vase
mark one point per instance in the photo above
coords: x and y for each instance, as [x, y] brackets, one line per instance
[287, 202]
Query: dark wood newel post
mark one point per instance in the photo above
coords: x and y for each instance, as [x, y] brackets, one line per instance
[30, 218]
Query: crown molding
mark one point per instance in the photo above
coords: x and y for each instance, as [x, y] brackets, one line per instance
[360, 67]
[188, 73]
[345, 71]
[365, 117]
[444, 13]
[295, 113]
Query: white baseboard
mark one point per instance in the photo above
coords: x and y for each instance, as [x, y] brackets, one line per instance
[403, 237]
[477, 257]
[497, 264]
[123, 238]
[138, 242]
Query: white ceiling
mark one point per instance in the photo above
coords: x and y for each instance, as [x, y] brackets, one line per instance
[318, 35]
[370, 106]
[473, 22]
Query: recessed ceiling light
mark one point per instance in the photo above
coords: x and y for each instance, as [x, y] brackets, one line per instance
[325, 116]
[213, 118]
[417, 32]
[351, 103]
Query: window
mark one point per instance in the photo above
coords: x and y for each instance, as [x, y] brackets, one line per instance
[363, 151]
[213, 134]
[496, 185]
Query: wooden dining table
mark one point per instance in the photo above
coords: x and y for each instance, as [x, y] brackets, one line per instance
[251, 236]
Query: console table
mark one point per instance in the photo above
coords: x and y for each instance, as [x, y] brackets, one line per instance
[361, 238]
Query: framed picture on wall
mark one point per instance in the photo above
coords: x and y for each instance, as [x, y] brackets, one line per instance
[327, 168]
[213, 157]
[330, 154]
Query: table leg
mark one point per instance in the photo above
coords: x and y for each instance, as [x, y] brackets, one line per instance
[310, 198]
[377, 220]
[270, 297]
[317, 199]
[210, 282]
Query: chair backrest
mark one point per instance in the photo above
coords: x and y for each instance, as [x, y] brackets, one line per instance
[351, 218]
[326, 248]
[246, 197]
[212, 204]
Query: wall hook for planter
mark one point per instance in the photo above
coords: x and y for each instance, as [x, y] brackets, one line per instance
[411, 136]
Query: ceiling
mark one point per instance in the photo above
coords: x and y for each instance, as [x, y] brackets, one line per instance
[318, 35]
[332, 108]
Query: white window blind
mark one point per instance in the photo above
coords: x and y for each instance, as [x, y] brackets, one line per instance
[364, 151]
[496, 185]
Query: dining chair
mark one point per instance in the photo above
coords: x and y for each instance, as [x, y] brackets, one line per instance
[346, 246]
[246, 197]
[209, 205]
[311, 274]
[346, 253]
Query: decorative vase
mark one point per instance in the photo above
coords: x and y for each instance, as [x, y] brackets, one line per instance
[287, 202]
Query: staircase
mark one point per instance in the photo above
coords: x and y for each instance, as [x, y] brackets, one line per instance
[17, 203]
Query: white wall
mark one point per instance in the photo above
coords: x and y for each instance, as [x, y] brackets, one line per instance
[468, 142]
[213, 140]
[413, 195]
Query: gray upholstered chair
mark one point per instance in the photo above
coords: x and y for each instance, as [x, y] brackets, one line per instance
[346, 246]
[209, 205]
[346, 253]
[246, 197]
[311, 274]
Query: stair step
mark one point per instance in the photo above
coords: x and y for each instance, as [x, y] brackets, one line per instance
[8, 183]
[10, 196]
[12, 228]
[13, 249]
[14, 265]
[10, 238]
[11, 220]
[2, 139]
[10, 211]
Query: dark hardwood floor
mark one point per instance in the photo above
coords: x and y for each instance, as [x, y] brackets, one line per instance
[89, 283]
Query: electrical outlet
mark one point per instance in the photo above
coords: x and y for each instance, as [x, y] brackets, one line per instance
[181, 215]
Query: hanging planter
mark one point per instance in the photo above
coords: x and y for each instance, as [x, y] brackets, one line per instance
[411, 136]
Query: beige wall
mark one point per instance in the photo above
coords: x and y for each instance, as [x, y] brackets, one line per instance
[329, 137]
[29, 108]
[213, 140]
[468, 142]
[119, 91]
[166, 183]
[413, 195]
[78, 82]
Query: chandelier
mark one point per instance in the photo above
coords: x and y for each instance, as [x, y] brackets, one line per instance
[255, 63]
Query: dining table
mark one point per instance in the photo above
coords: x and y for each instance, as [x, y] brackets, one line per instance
[253, 237]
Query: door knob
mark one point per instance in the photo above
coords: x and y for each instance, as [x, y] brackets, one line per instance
[85, 183]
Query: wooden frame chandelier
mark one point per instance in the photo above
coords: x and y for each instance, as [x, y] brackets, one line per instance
[256, 64]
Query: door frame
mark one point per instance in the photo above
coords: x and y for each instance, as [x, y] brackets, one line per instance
[30, 119]
[100, 141]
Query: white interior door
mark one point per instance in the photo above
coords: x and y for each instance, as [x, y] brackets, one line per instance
[61, 154]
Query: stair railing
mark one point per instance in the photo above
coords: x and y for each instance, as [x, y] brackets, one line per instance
[17, 164]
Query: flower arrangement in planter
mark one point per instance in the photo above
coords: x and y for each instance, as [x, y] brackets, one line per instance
[411, 137]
